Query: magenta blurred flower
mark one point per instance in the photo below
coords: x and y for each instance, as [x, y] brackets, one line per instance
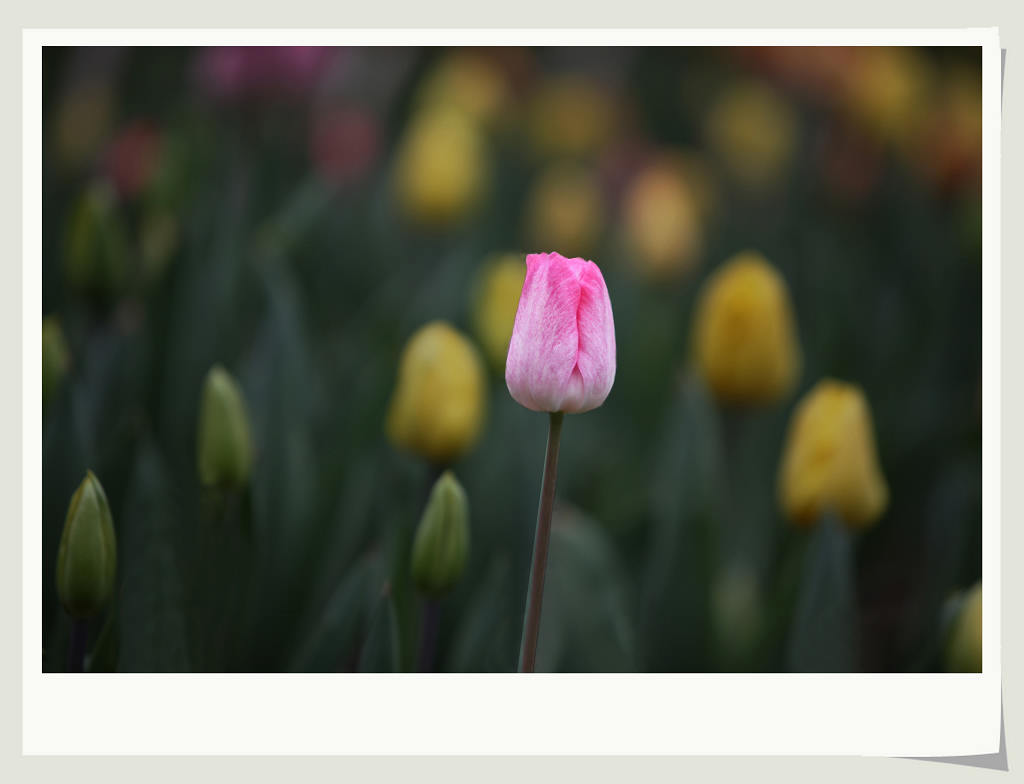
[134, 157]
[231, 72]
[562, 353]
[344, 144]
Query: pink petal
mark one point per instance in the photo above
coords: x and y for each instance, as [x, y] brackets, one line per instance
[545, 342]
[595, 361]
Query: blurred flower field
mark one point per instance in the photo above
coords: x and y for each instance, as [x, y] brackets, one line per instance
[278, 290]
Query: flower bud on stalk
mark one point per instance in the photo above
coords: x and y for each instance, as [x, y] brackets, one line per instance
[441, 547]
[224, 444]
[830, 461]
[87, 557]
[744, 338]
[442, 168]
[96, 245]
[561, 359]
[437, 408]
[662, 221]
[562, 354]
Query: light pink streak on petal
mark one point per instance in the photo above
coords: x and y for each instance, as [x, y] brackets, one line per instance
[544, 346]
[595, 361]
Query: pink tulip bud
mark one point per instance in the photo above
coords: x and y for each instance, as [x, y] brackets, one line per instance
[562, 353]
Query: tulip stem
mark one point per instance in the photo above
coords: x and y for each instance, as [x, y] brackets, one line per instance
[535, 595]
[428, 635]
[76, 651]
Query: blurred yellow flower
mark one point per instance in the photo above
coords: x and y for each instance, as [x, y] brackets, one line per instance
[829, 460]
[468, 81]
[441, 167]
[963, 650]
[887, 92]
[570, 115]
[662, 221]
[437, 409]
[753, 131]
[82, 122]
[495, 300]
[744, 338]
[565, 211]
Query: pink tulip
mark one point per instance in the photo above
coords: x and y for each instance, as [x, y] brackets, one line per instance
[562, 353]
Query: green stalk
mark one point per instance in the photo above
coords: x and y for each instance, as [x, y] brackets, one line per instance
[535, 594]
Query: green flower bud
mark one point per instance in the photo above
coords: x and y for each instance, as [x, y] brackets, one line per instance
[96, 248]
[224, 443]
[963, 649]
[56, 357]
[441, 546]
[87, 558]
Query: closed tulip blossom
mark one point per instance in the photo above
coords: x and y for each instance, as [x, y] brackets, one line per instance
[562, 354]
[561, 359]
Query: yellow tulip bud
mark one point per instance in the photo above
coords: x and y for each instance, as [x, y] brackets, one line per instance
[441, 169]
[963, 650]
[744, 338]
[662, 221]
[753, 131]
[441, 546]
[570, 115]
[468, 81]
[224, 445]
[829, 461]
[565, 211]
[495, 301]
[56, 356]
[888, 92]
[87, 556]
[437, 408]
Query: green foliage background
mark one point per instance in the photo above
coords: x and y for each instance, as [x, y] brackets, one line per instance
[306, 291]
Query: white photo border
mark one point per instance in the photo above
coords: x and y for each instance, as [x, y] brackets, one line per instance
[922, 715]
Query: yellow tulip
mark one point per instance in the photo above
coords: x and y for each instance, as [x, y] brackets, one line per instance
[888, 92]
[662, 221]
[437, 409]
[753, 131]
[495, 301]
[441, 168]
[829, 461]
[744, 338]
[565, 211]
[571, 115]
[963, 651]
[470, 82]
